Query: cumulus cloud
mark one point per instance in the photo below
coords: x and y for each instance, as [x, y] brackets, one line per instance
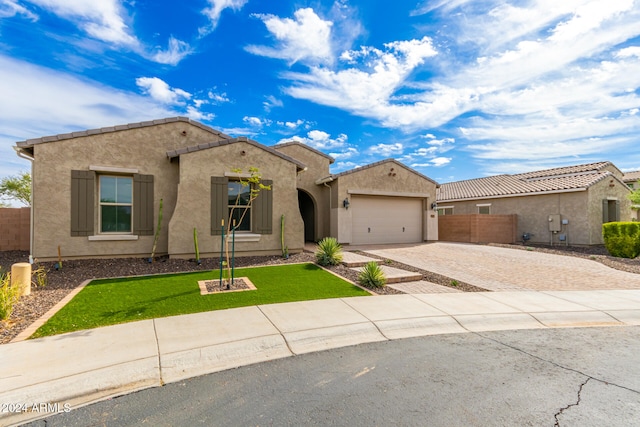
[214, 11]
[159, 90]
[256, 121]
[306, 38]
[387, 150]
[218, 98]
[319, 140]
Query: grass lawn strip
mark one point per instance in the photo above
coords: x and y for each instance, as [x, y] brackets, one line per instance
[106, 302]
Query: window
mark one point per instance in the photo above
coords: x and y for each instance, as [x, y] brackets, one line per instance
[445, 211]
[484, 209]
[610, 210]
[238, 201]
[116, 202]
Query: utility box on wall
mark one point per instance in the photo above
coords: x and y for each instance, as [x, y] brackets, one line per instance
[554, 223]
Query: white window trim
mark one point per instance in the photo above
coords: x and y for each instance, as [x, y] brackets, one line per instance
[114, 233]
[483, 205]
[243, 236]
[112, 169]
[112, 237]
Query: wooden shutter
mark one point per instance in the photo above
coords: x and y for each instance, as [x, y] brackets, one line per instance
[219, 203]
[617, 211]
[82, 202]
[143, 205]
[263, 210]
[605, 211]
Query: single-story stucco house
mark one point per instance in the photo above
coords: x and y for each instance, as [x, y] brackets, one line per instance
[566, 205]
[96, 193]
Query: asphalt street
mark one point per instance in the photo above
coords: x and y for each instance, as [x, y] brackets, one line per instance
[542, 377]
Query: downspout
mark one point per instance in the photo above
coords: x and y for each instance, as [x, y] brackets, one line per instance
[30, 159]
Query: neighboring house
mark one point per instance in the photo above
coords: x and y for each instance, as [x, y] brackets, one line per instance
[97, 193]
[632, 179]
[565, 205]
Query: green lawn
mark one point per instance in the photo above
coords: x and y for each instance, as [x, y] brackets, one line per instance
[112, 301]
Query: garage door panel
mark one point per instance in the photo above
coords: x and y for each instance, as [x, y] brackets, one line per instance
[386, 220]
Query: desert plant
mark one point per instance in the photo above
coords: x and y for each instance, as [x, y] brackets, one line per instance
[622, 239]
[9, 295]
[329, 251]
[40, 277]
[285, 249]
[372, 275]
[454, 282]
[195, 244]
[157, 234]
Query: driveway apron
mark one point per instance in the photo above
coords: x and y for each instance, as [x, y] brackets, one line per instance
[503, 269]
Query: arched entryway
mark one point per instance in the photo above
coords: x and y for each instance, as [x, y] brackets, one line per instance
[308, 211]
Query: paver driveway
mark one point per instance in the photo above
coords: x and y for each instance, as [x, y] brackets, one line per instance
[500, 269]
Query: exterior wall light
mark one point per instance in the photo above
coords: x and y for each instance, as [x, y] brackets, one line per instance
[346, 204]
[434, 205]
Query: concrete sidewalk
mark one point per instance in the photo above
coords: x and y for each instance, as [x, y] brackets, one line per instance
[41, 376]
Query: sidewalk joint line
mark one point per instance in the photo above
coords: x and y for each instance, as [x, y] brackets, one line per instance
[279, 331]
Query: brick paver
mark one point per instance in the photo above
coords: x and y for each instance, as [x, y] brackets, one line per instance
[423, 287]
[504, 269]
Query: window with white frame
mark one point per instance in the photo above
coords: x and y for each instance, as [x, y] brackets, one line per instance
[445, 210]
[239, 196]
[116, 203]
[484, 209]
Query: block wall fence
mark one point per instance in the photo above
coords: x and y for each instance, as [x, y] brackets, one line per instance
[14, 229]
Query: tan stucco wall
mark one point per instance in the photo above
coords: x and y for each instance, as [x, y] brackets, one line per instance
[317, 167]
[376, 180]
[194, 200]
[583, 210]
[143, 149]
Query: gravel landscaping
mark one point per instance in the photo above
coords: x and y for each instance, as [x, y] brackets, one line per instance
[74, 272]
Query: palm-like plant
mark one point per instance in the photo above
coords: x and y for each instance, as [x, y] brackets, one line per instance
[329, 252]
[372, 275]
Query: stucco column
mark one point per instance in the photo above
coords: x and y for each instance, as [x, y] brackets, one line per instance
[21, 277]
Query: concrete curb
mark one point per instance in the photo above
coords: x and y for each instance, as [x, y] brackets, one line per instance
[84, 367]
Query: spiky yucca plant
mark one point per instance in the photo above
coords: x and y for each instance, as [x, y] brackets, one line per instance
[372, 275]
[329, 251]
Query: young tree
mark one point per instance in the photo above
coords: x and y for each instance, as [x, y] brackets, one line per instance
[241, 207]
[17, 187]
[635, 195]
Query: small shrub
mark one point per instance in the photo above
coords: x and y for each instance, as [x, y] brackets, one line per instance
[40, 277]
[454, 283]
[9, 295]
[622, 239]
[329, 252]
[372, 275]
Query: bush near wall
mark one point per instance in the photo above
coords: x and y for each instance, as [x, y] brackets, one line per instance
[622, 239]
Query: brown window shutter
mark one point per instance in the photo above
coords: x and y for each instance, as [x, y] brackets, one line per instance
[605, 210]
[617, 210]
[82, 202]
[143, 205]
[263, 210]
[219, 203]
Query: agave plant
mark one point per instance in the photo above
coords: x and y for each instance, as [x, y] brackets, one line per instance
[329, 251]
[372, 275]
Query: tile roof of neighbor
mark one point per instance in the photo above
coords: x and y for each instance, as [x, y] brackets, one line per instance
[31, 142]
[318, 152]
[208, 145]
[631, 176]
[370, 165]
[545, 181]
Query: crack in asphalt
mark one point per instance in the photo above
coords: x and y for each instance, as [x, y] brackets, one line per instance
[557, 414]
[589, 377]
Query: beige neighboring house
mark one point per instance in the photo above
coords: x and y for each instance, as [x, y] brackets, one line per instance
[632, 179]
[96, 193]
[566, 205]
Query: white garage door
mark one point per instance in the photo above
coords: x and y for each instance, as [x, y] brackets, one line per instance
[377, 219]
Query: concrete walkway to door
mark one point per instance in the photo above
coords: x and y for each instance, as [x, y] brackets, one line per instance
[503, 269]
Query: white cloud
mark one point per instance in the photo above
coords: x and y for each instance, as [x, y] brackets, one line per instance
[176, 51]
[440, 161]
[218, 98]
[104, 20]
[214, 11]
[159, 90]
[306, 38]
[319, 140]
[9, 9]
[193, 112]
[387, 150]
[347, 153]
[256, 121]
[272, 102]
[292, 125]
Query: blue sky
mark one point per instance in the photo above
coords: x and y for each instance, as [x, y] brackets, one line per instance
[457, 89]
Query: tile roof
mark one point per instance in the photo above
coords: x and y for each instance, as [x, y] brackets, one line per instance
[370, 165]
[557, 180]
[631, 176]
[31, 142]
[176, 153]
[318, 152]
